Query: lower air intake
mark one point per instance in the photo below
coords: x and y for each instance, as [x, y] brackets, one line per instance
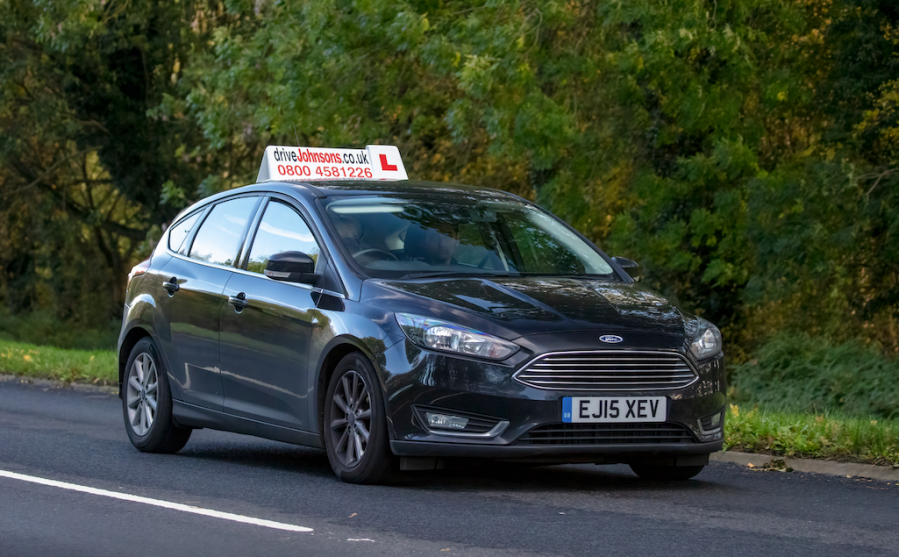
[606, 434]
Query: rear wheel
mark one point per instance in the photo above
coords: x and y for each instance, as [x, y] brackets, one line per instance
[355, 424]
[147, 403]
[666, 473]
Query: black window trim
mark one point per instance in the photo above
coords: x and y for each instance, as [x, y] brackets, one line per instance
[208, 210]
[239, 266]
[245, 258]
[201, 216]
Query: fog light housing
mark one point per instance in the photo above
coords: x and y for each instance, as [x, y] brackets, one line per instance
[445, 421]
[711, 424]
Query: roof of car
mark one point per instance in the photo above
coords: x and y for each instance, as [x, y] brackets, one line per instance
[367, 187]
[324, 188]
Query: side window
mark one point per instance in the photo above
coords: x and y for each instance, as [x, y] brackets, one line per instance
[218, 239]
[181, 231]
[281, 229]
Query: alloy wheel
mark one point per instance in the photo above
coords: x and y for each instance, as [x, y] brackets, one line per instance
[351, 418]
[141, 394]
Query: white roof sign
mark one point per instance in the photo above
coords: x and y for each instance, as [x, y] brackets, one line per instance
[375, 162]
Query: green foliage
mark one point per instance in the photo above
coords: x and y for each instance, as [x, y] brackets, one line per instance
[82, 160]
[800, 373]
[743, 151]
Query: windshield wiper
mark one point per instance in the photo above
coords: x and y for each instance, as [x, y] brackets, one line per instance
[453, 274]
[585, 277]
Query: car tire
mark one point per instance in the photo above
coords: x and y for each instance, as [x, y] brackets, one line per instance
[145, 383]
[354, 407]
[666, 473]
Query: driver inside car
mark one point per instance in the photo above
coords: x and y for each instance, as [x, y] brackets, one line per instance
[350, 231]
[434, 245]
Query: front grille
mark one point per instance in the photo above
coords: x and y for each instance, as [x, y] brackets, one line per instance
[606, 434]
[610, 370]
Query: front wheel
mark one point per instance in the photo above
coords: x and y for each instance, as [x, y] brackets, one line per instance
[147, 403]
[355, 424]
[666, 473]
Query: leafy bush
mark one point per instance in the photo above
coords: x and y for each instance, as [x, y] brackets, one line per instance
[802, 373]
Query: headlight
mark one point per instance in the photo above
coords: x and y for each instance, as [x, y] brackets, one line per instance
[706, 340]
[449, 337]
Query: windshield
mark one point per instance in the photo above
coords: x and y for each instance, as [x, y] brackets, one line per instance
[392, 237]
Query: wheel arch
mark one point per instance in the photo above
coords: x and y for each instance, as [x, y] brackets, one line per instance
[335, 351]
[131, 338]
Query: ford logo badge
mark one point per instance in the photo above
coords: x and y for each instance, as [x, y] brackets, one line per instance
[611, 339]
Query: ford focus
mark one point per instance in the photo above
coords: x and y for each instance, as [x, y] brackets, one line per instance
[403, 324]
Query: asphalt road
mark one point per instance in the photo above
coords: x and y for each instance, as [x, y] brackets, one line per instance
[78, 438]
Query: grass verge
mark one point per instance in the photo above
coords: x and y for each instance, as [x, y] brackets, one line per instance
[83, 366]
[793, 434]
[805, 435]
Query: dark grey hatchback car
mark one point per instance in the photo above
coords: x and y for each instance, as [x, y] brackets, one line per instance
[403, 324]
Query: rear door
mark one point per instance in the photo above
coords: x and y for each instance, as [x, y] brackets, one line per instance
[266, 335]
[192, 297]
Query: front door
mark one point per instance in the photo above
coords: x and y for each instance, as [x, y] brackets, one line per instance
[191, 299]
[267, 327]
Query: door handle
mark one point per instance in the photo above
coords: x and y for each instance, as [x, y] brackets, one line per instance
[239, 302]
[171, 285]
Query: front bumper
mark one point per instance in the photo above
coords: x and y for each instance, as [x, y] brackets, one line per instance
[602, 452]
[415, 378]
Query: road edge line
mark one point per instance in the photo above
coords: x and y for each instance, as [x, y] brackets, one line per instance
[155, 502]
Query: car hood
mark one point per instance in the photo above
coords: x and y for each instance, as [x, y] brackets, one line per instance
[513, 307]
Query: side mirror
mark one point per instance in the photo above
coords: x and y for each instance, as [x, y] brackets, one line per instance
[291, 266]
[625, 263]
[628, 264]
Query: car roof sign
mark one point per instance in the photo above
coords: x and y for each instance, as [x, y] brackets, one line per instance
[375, 162]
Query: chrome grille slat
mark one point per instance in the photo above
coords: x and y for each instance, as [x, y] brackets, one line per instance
[616, 365]
[614, 373]
[627, 372]
[610, 379]
[608, 370]
[608, 376]
[592, 360]
[600, 382]
[558, 356]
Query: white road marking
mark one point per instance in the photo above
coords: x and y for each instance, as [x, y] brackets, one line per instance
[156, 502]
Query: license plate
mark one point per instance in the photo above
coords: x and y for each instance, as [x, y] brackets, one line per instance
[621, 409]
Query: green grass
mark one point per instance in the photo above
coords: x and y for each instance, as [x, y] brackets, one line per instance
[83, 366]
[804, 435]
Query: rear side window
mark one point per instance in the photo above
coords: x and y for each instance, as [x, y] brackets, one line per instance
[219, 236]
[281, 229]
[181, 231]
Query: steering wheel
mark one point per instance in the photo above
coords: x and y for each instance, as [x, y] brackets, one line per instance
[370, 251]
